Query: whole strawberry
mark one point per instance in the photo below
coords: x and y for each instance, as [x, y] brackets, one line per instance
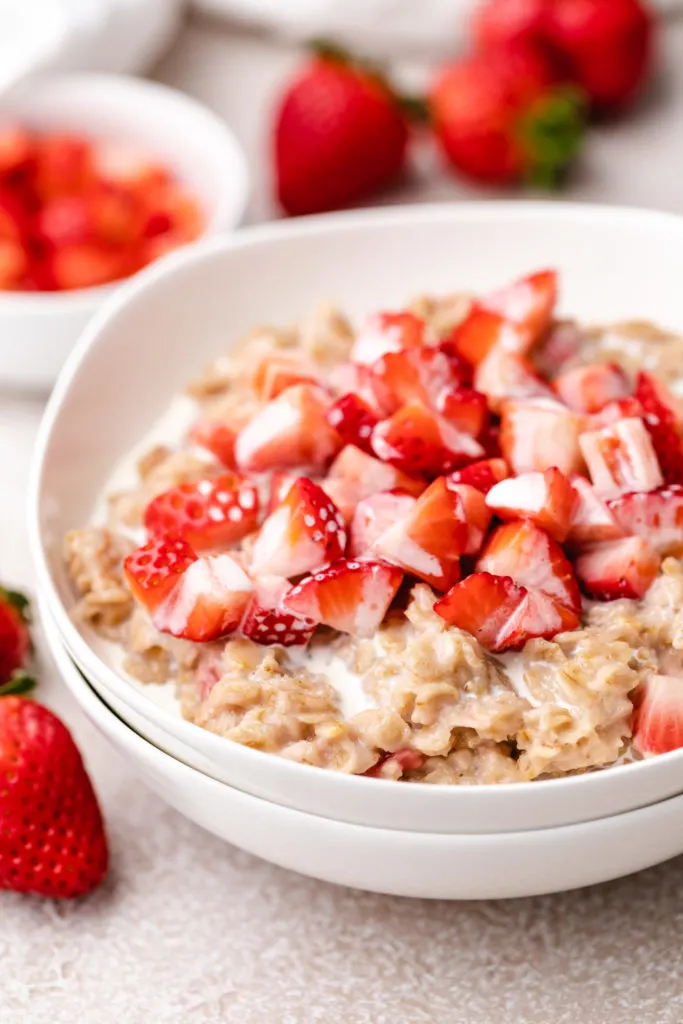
[15, 642]
[340, 135]
[52, 840]
[499, 117]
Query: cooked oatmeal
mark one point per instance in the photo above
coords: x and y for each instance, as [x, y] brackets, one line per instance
[436, 548]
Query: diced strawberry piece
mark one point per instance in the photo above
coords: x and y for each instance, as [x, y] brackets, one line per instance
[373, 515]
[664, 421]
[280, 486]
[388, 332]
[428, 541]
[592, 521]
[353, 419]
[417, 440]
[209, 514]
[658, 716]
[304, 532]
[588, 389]
[413, 374]
[208, 602]
[400, 761]
[16, 150]
[621, 458]
[62, 166]
[540, 434]
[123, 164]
[154, 570]
[482, 605]
[561, 345]
[464, 409]
[618, 568]
[477, 515]
[344, 494]
[352, 597]
[507, 375]
[87, 265]
[529, 555]
[528, 302]
[368, 475]
[656, 516]
[278, 371]
[613, 412]
[65, 220]
[356, 379]
[265, 621]
[489, 439]
[459, 365]
[484, 330]
[538, 616]
[14, 264]
[218, 438]
[290, 432]
[483, 475]
[548, 499]
[12, 217]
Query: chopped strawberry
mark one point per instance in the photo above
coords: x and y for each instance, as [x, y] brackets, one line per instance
[588, 389]
[264, 620]
[208, 602]
[413, 374]
[561, 345]
[484, 330]
[658, 716]
[592, 521]
[354, 420]
[528, 302]
[387, 332]
[619, 409]
[278, 371]
[538, 616]
[417, 440]
[664, 421]
[373, 515]
[154, 570]
[483, 475]
[280, 485]
[367, 475]
[344, 494]
[490, 441]
[548, 499]
[356, 379]
[459, 365]
[302, 533]
[532, 558]
[428, 541]
[618, 568]
[476, 513]
[396, 763]
[291, 431]
[352, 597]
[504, 375]
[621, 458]
[16, 149]
[218, 438]
[656, 516]
[540, 434]
[482, 605]
[209, 514]
[464, 409]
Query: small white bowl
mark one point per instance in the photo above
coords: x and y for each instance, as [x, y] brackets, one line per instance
[161, 328]
[455, 867]
[38, 329]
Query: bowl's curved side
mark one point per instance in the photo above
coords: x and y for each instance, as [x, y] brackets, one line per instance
[612, 260]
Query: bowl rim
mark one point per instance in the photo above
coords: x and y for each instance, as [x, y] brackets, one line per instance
[227, 213]
[175, 264]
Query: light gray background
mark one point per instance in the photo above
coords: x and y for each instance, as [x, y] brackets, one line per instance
[188, 929]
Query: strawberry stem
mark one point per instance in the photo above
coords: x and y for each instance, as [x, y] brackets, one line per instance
[18, 601]
[20, 683]
[551, 135]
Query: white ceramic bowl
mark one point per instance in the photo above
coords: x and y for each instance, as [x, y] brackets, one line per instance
[163, 326]
[37, 330]
[385, 860]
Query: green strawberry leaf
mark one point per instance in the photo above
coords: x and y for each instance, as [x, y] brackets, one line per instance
[20, 683]
[18, 601]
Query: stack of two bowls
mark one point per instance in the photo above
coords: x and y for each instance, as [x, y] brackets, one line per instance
[420, 840]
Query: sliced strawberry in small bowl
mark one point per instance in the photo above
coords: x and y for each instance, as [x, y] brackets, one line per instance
[354, 420]
[373, 515]
[305, 531]
[546, 498]
[618, 568]
[588, 389]
[658, 716]
[656, 516]
[349, 596]
[419, 441]
[483, 475]
[208, 602]
[209, 514]
[154, 570]
[428, 541]
[290, 432]
[265, 621]
[621, 458]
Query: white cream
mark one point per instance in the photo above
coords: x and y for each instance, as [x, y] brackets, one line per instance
[348, 684]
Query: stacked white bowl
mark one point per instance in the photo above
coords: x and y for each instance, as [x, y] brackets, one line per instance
[154, 334]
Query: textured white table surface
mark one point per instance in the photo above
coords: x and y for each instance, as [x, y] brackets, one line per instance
[188, 929]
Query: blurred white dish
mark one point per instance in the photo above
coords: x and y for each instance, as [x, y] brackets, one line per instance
[37, 330]
[456, 867]
[163, 326]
